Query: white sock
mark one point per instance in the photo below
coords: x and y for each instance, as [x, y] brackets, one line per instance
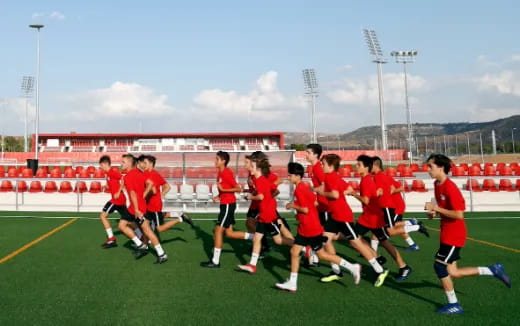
[293, 278]
[346, 265]
[216, 255]
[409, 241]
[110, 234]
[304, 250]
[452, 297]
[335, 268]
[411, 228]
[314, 258]
[159, 250]
[138, 233]
[375, 265]
[180, 218]
[254, 259]
[485, 271]
[137, 241]
[374, 244]
[248, 236]
[175, 214]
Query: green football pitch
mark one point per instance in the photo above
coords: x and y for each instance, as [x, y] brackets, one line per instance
[67, 279]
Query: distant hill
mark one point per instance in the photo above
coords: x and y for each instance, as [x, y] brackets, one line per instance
[363, 138]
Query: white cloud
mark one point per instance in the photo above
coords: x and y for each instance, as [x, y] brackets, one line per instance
[54, 15]
[505, 82]
[515, 57]
[360, 91]
[265, 97]
[346, 67]
[119, 100]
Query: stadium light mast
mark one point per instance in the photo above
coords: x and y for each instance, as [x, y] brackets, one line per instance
[374, 47]
[406, 57]
[37, 121]
[311, 91]
[27, 89]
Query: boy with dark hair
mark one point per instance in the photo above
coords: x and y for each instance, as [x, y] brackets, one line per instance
[310, 231]
[227, 186]
[450, 207]
[340, 225]
[267, 217]
[116, 203]
[312, 155]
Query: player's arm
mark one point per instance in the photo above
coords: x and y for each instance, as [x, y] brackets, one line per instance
[363, 199]
[149, 188]
[397, 190]
[334, 194]
[118, 192]
[255, 197]
[453, 214]
[133, 198]
[165, 189]
[299, 209]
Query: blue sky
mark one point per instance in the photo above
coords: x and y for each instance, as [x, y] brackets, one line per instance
[236, 65]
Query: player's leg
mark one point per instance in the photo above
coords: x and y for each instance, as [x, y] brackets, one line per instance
[278, 238]
[148, 232]
[103, 217]
[291, 284]
[255, 253]
[404, 269]
[125, 226]
[218, 236]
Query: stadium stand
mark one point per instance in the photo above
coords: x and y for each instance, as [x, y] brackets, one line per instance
[36, 186]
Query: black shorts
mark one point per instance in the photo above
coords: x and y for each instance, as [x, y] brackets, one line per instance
[226, 217]
[316, 243]
[324, 217]
[155, 218]
[389, 216]
[284, 222]
[111, 207]
[380, 233]
[447, 253]
[252, 213]
[130, 218]
[268, 228]
[346, 228]
[398, 217]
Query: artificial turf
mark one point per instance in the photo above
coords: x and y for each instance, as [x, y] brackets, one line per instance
[67, 279]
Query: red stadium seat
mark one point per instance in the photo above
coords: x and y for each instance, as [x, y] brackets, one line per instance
[457, 171]
[69, 173]
[50, 186]
[41, 173]
[6, 186]
[80, 187]
[474, 185]
[12, 173]
[348, 167]
[79, 168]
[418, 186]
[106, 189]
[95, 187]
[68, 168]
[2, 171]
[91, 169]
[464, 166]
[406, 172]
[400, 167]
[391, 172]
[345, 173]
[500, 165]
[27, 173]
[513, 165]
[99, 174]
[488, 165]
[56, 173]
[477, 165]
[406, 186]
[505, 171]
[474, 170]
[489, 185]
[505, 185]
[489, 171]
[517, 185]
[424, 167]
[65, 187]
[84, 174]
[354, 184]
[36, 186]
[414, 167]
[22, 186]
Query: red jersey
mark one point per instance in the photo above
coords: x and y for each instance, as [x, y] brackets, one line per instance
[372, 216]
[397, 197]
[155, 203]
[135, 181]
[114, 184]
[226, 179]
[383, 181]
[448, 196]
[339, 208]
[309, 224]
[251, 183]
[267, 205]
[318, 177]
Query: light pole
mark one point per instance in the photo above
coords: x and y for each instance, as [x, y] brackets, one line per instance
[406, 57]
[37, 121]
[481, 148]
[377, 54]
[513, 138]
[311, 91]
[27, 88]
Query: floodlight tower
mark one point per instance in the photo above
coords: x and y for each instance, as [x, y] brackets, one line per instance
[311, 91]
[374, 47]
[406, 57]
[37, 121]
[27, 89]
